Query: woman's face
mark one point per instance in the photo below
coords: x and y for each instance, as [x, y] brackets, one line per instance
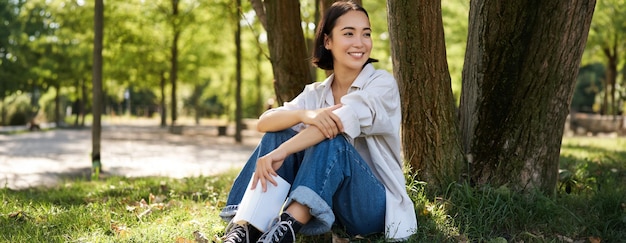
[350, 42]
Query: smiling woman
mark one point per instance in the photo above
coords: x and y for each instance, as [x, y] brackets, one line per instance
[337, 144]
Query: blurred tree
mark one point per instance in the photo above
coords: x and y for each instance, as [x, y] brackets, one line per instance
[606, 44]
[96, 128]
[588, 86]
[238, 105]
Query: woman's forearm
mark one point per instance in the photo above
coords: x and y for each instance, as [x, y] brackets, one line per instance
[304, 139]
[278, 120]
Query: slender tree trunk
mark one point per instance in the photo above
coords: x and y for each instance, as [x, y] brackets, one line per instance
[96, 128]
[520, 70]
[81, 105]
[610, 79]
[3, 112]
[163, 106]
[238, 109]
[57, 105]
[259, 74]
[429, 121]
[174, 59]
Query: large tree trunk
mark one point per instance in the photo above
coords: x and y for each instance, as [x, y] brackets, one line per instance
[520, 69]
[429, 121]
[97, 85]
[287, 48]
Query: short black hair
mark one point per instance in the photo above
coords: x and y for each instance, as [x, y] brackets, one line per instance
[323, 58]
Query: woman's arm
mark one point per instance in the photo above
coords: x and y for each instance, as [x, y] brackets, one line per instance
[329, 124]
[278, 120]
[267, 165]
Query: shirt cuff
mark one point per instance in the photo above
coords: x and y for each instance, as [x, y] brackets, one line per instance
[350, 121]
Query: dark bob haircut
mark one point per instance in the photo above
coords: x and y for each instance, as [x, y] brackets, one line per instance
[323, 58]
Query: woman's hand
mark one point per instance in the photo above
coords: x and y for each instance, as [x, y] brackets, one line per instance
[325, 120]
[266, 167]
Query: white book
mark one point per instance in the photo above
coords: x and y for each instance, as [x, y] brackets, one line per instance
[259, 208]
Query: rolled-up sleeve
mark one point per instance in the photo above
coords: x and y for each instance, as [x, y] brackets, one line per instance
[370, 110]
[303, 101]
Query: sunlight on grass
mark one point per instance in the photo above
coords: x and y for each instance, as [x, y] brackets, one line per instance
[590, 205]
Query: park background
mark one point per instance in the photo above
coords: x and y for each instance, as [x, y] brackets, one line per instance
[46, 49]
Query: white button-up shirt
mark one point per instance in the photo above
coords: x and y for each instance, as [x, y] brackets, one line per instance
[371, 116]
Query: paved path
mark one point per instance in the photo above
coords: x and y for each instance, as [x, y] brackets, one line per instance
[46, 157]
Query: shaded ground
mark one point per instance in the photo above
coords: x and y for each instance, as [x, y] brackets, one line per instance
[137, 149]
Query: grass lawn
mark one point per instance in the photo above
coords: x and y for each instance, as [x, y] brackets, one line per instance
[115, 209]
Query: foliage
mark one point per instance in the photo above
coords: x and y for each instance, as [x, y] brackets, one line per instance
[588, 86]
[605, 45]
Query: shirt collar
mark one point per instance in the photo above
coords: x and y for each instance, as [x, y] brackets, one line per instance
[359, 82]
[367, 71]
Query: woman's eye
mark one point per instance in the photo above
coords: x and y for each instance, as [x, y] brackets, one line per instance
[367, 34]
[348, 34]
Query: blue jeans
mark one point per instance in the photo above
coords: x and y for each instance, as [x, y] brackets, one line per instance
[330, 178]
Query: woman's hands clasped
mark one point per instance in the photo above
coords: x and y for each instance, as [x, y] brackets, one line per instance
[325, 120]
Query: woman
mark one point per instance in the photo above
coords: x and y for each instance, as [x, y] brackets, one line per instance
[337, 143]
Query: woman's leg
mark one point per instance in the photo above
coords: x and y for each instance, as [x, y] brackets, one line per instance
[287, 171]
[334, 180]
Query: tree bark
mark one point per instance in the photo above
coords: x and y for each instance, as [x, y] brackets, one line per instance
[429, 121]
[520, 70]
[96, 128]
[287, 48]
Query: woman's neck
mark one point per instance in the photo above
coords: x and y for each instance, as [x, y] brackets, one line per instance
[343, 78]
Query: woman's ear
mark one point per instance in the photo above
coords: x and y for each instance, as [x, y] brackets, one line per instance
[326, 42]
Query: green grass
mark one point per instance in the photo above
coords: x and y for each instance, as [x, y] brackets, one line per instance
[153, 209]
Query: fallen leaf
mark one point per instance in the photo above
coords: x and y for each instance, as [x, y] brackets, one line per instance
[144, 213]
[594, 239]
[19, 215]
[143, 203]
[200, 237]
[337, 239]
[120, 230]
[183, 240]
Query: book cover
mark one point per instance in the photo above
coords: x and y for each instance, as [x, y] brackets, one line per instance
[259, 208]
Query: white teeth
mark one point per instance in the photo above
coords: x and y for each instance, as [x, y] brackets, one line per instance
[356, 54]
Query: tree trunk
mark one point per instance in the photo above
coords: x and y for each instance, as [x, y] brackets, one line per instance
[287, 48]
[163, 106]
[238, 109]
[259, 75]
[520, 70]
[429, 121]
[57, 106]
[81, 105]
[174, 58]
[97, 86]
[3, 112]
[610, 78]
